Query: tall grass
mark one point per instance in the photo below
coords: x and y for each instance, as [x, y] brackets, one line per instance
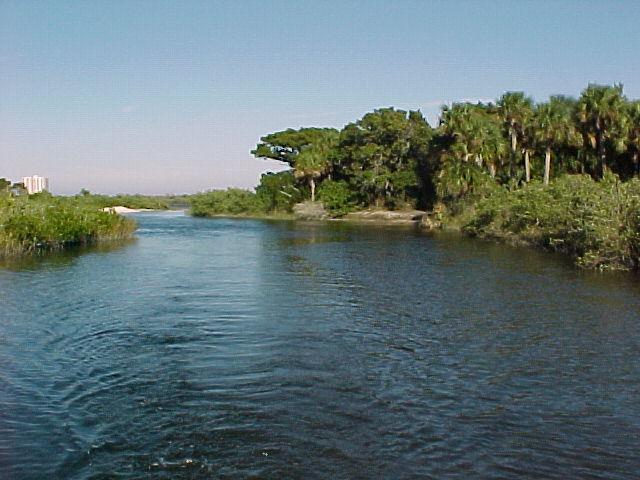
[34, 223]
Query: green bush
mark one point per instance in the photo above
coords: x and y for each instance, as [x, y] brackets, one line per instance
[146, 202]
[337, 197]
[278, 192]
[233, 201]
[597, 222]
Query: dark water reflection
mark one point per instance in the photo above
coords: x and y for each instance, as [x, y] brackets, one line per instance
[245, 349]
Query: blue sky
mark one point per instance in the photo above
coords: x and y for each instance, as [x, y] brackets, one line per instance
[170, 96]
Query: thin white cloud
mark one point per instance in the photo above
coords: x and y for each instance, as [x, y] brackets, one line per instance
[128, 108]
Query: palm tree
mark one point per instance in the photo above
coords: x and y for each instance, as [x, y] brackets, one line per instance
[516, 109]
[475, 134]
[528, 144]
[633, 135]
[554, 129]
[601, 112]
[312, 164]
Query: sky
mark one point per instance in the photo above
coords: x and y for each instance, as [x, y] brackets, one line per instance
[160, 97]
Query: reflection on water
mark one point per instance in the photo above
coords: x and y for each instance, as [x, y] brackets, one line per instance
[235, 349]
[61, 258]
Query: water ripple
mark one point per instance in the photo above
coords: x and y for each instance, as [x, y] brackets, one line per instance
[244, 349]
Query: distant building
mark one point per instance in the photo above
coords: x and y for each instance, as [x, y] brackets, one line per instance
[35, 184]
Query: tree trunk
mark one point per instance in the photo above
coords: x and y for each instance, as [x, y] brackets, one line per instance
[514, 151]
[603, 155]
[527, 167]
[636, 164]
[312, 184]
[547, 165]
[492, 170]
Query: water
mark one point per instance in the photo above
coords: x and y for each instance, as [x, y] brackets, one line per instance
[248, 349]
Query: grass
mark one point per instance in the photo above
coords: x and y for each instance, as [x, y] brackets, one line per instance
[31, 224]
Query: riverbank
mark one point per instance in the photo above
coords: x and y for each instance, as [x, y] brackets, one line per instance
[119, 209]
[250, 216]
[596, 223]
[370, 217]
[32, 224]
[384, 217]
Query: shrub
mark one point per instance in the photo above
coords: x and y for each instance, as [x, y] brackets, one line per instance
[597, 222]
[278, 192]
[337, 197]
[233, 201]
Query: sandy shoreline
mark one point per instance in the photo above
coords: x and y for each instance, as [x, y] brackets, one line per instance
[121, 209]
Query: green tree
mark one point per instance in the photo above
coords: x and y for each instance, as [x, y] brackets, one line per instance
[633, 136]
[5, 185]
[285, 146]
[278, 191]
[601, 118]
[313, 163]
[554, 129]
[19, 189]
[380, 154]
[232, 201]
[516, 110]
[475, 134]
[337, 197]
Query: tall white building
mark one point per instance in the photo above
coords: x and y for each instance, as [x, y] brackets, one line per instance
[35, 184]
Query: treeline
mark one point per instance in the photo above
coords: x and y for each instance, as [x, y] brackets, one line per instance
[276, 195]
[135, 201]
[559, 174]
[392, 158]
[32, 223]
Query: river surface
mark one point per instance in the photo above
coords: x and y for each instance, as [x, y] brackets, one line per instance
[253, 349]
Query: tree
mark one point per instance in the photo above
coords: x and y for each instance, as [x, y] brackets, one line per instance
[475, 134]
[516, 109]
[19, 189]
[313, 163]
[380, 153]
[5, 185]
[286, 145]
[278, 192]
[633, 135]
[528, 145]
[601, 118]
[554, 129]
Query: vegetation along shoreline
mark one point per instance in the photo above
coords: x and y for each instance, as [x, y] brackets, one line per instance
[562, 175]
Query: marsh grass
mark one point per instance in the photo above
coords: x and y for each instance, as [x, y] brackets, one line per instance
[36, 223]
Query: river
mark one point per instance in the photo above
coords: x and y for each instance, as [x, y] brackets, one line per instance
[253, 349]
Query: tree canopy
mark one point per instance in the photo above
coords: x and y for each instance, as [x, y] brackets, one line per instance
[286, 145]
[394, 158]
